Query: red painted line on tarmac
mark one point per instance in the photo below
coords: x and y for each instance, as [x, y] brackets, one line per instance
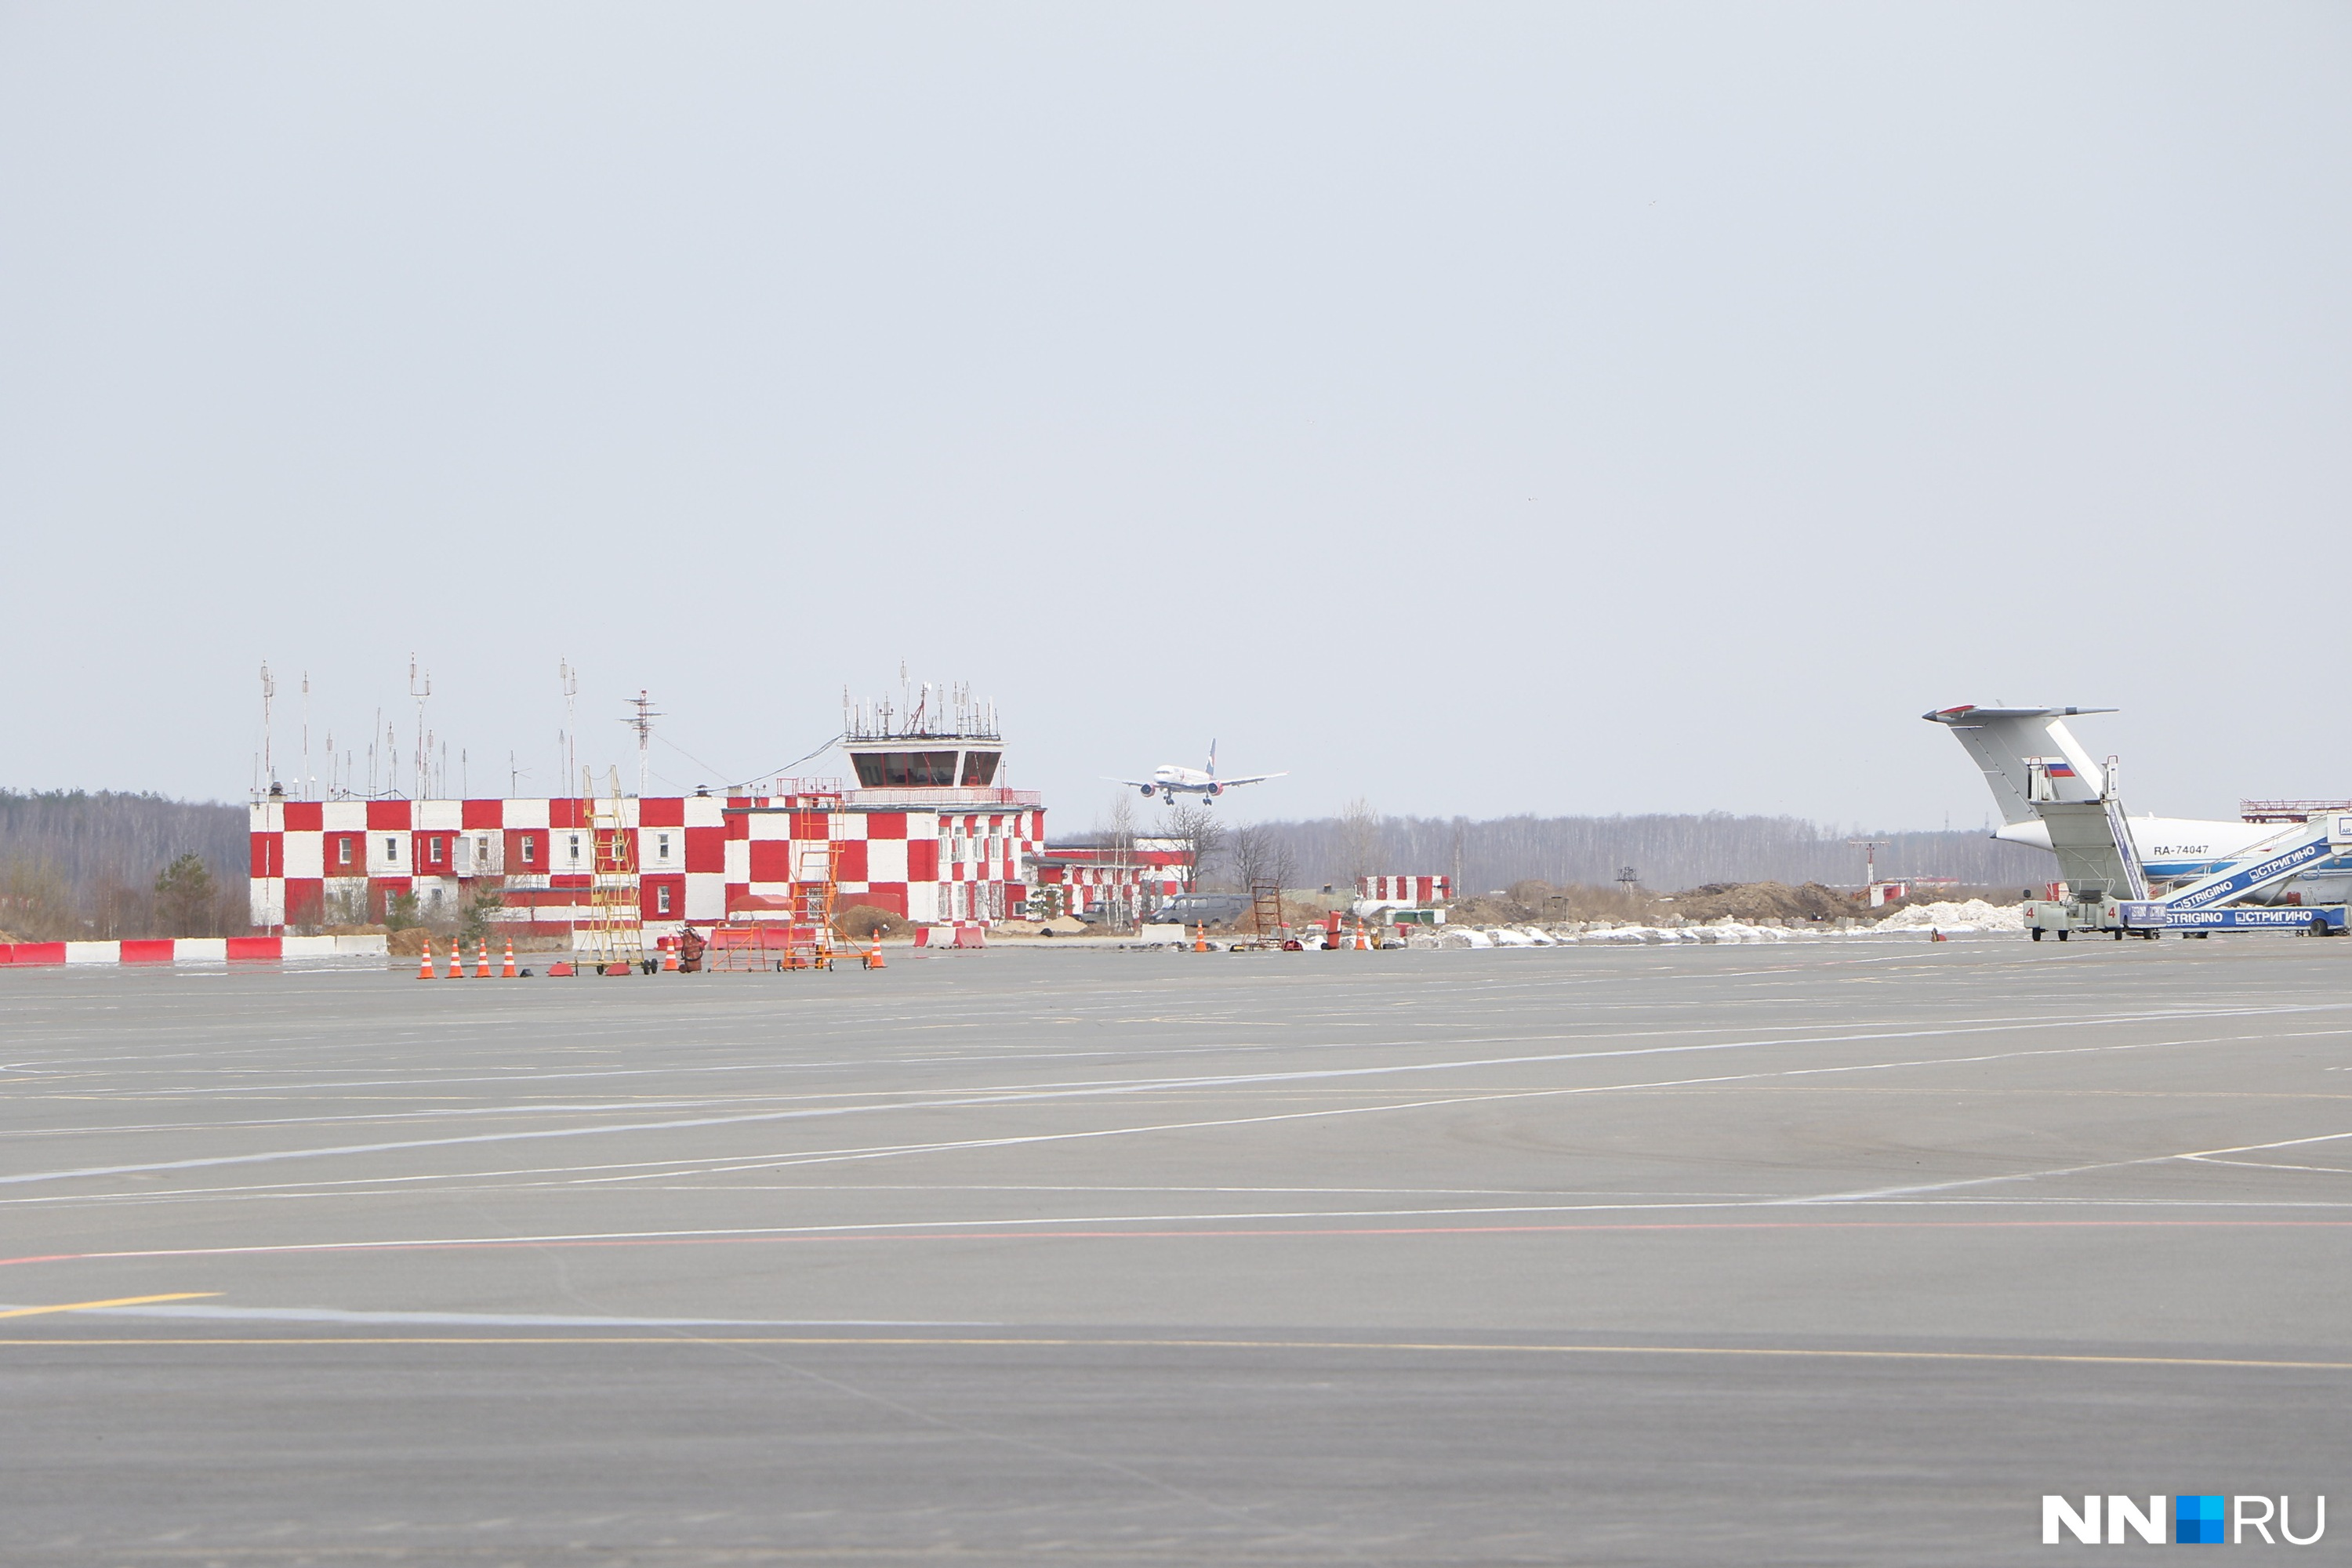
[479, 1244]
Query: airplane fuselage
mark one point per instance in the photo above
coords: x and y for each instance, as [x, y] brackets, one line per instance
[1169, 781]
[2176, 850]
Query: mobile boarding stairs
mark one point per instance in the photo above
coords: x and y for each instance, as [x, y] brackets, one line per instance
[2108, 889]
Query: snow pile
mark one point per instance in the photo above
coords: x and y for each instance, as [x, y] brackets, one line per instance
[1733, 930]
[1974, 915]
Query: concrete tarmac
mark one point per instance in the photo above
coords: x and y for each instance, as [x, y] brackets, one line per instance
[1839, 1253]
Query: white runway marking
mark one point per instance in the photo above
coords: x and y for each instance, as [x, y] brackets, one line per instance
[1132, 1087]
[514, 1319]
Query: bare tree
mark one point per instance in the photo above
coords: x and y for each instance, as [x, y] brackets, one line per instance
[1251, 848]
[1262, 857]
[1359, 838]
[1202, 834]
[1118, 827]
[1115, 841]
[36, 902]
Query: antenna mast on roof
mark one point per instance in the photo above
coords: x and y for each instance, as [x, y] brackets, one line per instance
[571, 678]
[643, 725]
[269, 691]
[421, 691]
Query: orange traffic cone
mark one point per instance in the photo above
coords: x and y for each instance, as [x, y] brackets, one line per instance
[425, 964]
[669, 956]
[482, 960]
[873, 953]
[1200, 939]
[456, 964]
[509, 972]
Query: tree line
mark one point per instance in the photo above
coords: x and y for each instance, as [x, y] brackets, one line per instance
[103, 864]
[1663, 852]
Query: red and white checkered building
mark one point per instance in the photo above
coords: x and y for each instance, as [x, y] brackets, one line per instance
[1405, 892]
[1122, 884]
[946, 853]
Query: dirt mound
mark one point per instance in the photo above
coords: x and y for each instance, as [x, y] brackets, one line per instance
[859, 923]
[1762, 901]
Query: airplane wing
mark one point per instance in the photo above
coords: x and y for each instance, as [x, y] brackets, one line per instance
[1137, 784]
[1252, 778]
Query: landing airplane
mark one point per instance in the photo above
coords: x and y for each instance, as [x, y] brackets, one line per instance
[2029, 755]
[1169, 780]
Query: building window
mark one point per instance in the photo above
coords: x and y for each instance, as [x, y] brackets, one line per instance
[575, 849]
[661, 841]
[901, 770]
[482, 850]
[391, 848]
[342, 851]
[530, 850]
[661, 899]
[440, 847]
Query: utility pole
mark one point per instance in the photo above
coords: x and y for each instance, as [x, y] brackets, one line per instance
[1870, 848]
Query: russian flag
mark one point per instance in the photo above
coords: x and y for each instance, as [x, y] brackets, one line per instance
[2058, 768]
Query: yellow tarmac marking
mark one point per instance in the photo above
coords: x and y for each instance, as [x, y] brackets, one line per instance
[819, 1342]
[93, 1306]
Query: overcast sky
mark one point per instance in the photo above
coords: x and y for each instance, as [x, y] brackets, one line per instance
[1475, 409]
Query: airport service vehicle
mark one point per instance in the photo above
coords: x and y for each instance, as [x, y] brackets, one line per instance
[1170, 779]
[2292, 868]
[1201, 909]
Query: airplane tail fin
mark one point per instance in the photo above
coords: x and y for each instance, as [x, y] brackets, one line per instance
[1212, 759]
[2014, 745]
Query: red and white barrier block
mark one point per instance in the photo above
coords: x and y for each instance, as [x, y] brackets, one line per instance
[189, 950]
